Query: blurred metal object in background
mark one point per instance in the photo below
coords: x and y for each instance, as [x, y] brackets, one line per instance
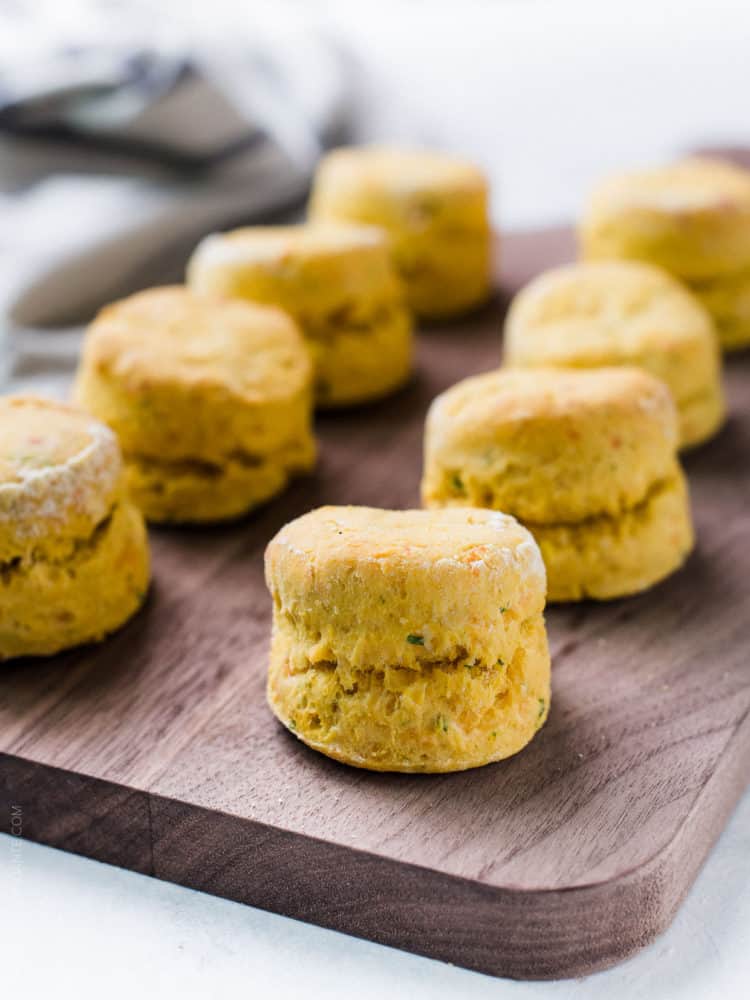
[116, 158]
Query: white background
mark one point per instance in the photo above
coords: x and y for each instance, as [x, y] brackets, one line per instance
[548, 96]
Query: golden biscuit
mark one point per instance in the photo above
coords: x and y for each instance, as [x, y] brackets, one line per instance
[727, 299]
[74, 560]
[691, 218]
[604, 313]
[585, 459]
[210, 398]
[408, 640]
[435, 208]
[338, 282]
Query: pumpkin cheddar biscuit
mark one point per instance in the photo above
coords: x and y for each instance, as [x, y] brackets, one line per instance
[693, 219]
[434, 206]
[408, 640]
[74, 562]
[211, 400]
[339, 284]
[585, 459]
[601, 313]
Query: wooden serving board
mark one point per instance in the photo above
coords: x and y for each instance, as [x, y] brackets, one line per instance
[155, 751]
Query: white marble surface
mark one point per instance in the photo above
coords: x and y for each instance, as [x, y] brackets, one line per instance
[76, 929]
[547, 95]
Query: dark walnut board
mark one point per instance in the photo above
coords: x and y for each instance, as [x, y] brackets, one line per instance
[155, 751]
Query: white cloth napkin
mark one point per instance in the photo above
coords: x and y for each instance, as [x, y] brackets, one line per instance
[113, 164]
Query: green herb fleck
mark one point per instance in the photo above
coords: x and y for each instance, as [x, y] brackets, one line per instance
[441, 723]
[24, 459]
[493, 734]
[542, 706]
[500, 661]
[415, 640]
[503, 610]
[458, 483]
[293, 724]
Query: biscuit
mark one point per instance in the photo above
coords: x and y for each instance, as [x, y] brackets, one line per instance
[727, 299]
[211, 400]
[604, 313]
[691, 218]
[338, 282]
[74, 561]
[408, 640]
[435, 208]
[585, 459]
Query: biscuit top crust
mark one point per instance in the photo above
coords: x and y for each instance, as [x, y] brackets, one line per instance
[692, 218]
[596, 308]
[367, 587]
[550, 394]
[461, 537]
[693, 185]
[173, 335]
[318, 272]
[57, 465]
[394, 629]
[553, 444]
[283, 245]
[402, 170]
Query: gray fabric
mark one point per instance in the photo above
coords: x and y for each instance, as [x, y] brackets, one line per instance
[108, 179]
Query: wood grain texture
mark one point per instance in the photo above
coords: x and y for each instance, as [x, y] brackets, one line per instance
[155, 751]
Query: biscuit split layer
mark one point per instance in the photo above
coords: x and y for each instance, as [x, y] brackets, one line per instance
[211, 491]
[408, 641]
[444, 716]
